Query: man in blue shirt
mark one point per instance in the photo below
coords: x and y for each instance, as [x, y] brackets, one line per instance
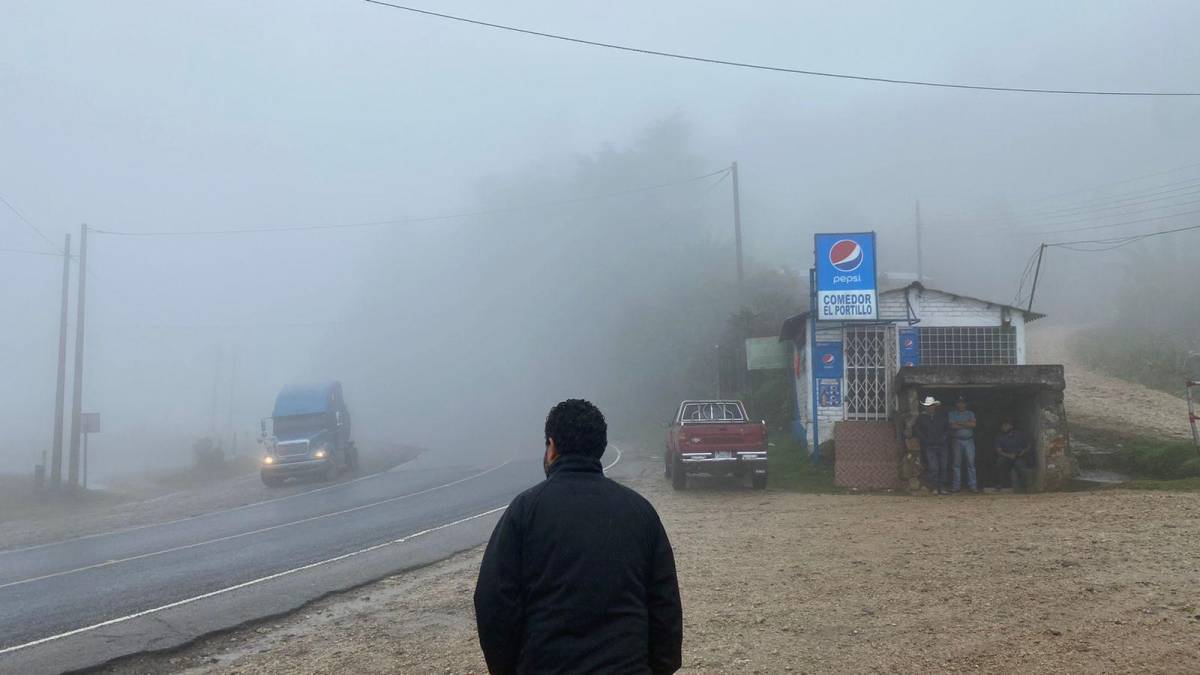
[962, 444]
[1014, 455]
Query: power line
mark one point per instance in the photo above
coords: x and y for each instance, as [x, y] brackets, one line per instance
[32, 252]
[31, 226]
[1056, 212]
[1122, 181]
[780, 69]
[1108, 225]
[410, 221]
[1116, 242]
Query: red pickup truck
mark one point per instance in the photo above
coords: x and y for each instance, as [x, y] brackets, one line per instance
[716, 438]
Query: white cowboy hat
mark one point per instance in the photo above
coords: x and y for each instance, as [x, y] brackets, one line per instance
[929, 400]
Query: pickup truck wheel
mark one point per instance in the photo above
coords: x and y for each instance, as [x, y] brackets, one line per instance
[667, 464]
[331, 470]
[352, 459]
[759, 481]
[678, 475]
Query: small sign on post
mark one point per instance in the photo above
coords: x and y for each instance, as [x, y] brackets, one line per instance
[768, 354]
[90, 423]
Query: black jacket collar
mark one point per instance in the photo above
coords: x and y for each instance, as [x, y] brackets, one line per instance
[576, 464]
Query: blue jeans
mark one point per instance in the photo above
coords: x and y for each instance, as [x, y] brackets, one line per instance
[935, 458]
[964, 447]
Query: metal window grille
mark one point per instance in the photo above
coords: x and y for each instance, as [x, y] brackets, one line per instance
[969, 346]
[867, 355]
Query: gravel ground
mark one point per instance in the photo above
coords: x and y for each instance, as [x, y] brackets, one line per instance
[144, 503]
[786, 582]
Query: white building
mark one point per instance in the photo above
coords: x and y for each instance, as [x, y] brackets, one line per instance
[917, 326]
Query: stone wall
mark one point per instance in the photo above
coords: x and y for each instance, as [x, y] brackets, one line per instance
[1055, 463]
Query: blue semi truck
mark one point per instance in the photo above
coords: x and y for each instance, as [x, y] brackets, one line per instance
[309, 434]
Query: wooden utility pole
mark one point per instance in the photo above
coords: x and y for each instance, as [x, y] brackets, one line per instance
[920, 246]
[1037, 272]
[233, 441]
[60, 391]
[737, 231]
[77, 403]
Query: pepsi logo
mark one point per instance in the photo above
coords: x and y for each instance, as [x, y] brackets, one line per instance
[846, 255]
[827, 359]
[908, 343]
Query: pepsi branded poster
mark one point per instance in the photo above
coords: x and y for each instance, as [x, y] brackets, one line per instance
[829, 393]
[827, 360]
[846, 289]
[910, 347]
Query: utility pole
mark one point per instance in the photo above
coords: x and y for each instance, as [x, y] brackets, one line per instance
[920, 246]
[61, 388]
[232, 390]
[737, 232]
[1036, 273]
[216, 383]
[77, 403]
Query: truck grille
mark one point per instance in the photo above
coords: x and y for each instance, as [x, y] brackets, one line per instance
[292, 449]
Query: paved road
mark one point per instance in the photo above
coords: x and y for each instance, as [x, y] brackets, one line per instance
[82, 602]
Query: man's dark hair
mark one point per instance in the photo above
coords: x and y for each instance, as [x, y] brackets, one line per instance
[578, 428]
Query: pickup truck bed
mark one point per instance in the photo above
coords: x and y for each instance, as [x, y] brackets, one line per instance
[715, 437]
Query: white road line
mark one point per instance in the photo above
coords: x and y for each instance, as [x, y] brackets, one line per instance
[270, 577]
[184, 547]
[612, 445]
[135, 528]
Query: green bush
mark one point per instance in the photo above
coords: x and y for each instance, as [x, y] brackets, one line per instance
[1161, 459]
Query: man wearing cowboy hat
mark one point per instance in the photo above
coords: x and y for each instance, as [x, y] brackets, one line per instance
[930, 430]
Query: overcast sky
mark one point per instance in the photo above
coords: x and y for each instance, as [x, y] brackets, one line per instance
[149, 116]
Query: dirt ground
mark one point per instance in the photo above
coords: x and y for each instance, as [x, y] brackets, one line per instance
[786, 582]
[144, 500]
[1105, 403]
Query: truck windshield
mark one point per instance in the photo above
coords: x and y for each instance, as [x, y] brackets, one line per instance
[294, 424]
[712, 412]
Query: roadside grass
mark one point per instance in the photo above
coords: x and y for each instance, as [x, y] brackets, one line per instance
[1175, 485]
[791, 469]
[1151, 463]
[19, 499]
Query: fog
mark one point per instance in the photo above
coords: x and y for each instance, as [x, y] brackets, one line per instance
[458, 333]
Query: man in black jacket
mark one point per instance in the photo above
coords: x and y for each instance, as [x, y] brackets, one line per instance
[931, 430]
[579, 576]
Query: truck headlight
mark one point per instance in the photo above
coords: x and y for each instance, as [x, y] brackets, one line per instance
[268, 460]
[320, 454]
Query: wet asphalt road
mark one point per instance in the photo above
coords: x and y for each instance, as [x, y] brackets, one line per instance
[82, 602]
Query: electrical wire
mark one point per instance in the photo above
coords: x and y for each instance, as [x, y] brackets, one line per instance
[32, 252]
[1116, 242]
[1176, 190]
[779, 69]
[1106, 225]
[31, 226]
[408, 221]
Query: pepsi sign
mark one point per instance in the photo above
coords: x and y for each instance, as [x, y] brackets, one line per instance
[846, 289]
[827, 359]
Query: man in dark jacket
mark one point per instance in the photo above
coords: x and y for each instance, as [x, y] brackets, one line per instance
[931, 430]
[579, 576]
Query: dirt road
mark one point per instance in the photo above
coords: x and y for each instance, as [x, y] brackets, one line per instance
[784, 582]
[1104, 403]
